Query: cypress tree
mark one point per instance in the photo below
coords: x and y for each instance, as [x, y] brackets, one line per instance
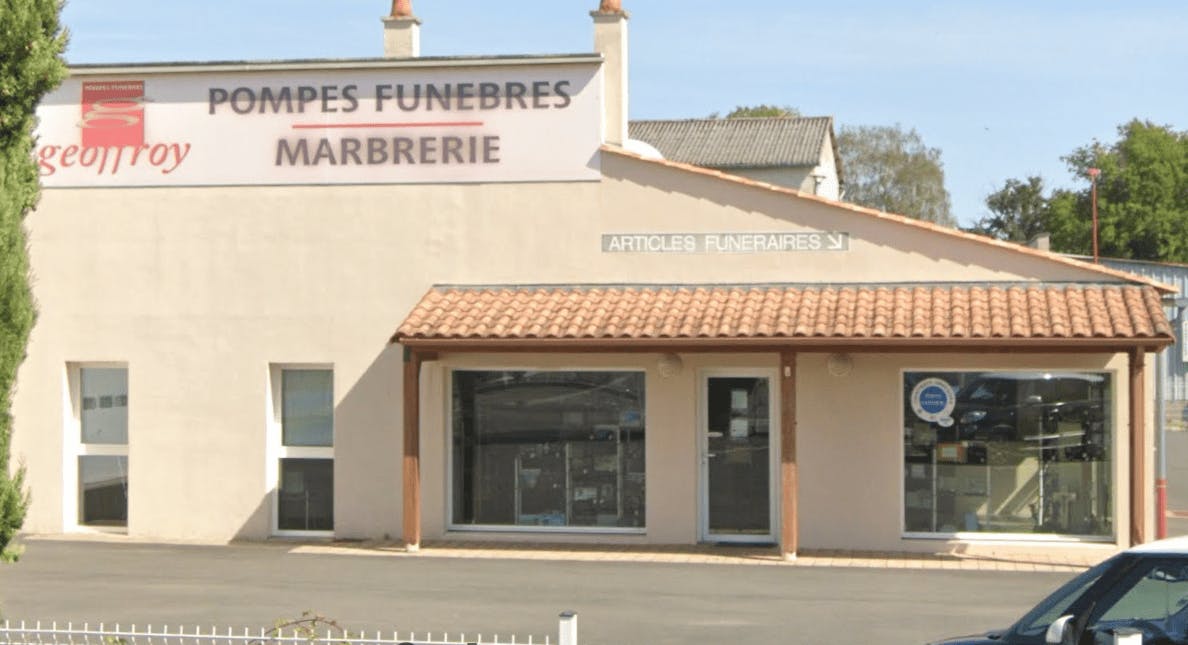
[31, 44]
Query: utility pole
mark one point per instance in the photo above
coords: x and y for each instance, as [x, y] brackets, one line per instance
[1093, 173]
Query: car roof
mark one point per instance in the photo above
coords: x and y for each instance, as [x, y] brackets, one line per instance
[1170, 546]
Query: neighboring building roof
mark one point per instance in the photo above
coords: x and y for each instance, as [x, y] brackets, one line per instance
[1171, 273]
[761, 142]
[1043, 315]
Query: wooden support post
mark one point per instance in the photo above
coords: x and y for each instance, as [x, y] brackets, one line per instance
[789, 484]
[1138, 449]
[412, 450]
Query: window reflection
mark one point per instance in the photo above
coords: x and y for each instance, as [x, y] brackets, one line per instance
[547, 449]
[1021, 452]
[103, 490]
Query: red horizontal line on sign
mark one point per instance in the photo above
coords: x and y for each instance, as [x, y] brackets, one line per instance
[421, 124]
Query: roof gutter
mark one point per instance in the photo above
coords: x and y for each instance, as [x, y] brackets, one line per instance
[802, 344]
[110, 69]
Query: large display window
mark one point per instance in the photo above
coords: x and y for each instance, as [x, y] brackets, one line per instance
[548, 449]
[1008, 452]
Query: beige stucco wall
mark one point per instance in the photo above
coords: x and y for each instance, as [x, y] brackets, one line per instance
[794, 178]
[850, 456]
[199, 290]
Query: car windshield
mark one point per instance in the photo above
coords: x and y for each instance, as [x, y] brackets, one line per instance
[1049, 609]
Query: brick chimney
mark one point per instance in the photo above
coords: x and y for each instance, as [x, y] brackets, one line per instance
[402, 31]
[610, 40]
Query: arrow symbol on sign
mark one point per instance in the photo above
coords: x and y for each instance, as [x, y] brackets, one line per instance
[836, 241]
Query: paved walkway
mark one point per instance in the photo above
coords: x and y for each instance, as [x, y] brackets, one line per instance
[1016, 557]
[981, 558]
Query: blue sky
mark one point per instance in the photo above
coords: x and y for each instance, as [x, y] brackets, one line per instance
[1003, 88]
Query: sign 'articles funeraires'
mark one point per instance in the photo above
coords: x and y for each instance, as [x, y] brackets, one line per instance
[749, 242]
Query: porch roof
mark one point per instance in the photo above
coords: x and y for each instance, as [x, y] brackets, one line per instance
[808, 317]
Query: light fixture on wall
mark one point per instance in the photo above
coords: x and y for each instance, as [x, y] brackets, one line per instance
[669, 365]
[839, 364]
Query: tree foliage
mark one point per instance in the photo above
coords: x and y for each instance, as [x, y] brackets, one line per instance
[1142, 199]
[891, 169]
[31, 45]
[1018, 211]
[761, 111]
[1142, 195]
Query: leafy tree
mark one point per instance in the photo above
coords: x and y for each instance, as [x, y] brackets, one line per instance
[1018, 211]
[31, 45]
[892, 170]
[1142, 199]
[744, 111]
[1142, 196]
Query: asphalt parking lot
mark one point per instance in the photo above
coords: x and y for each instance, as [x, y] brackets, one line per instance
[620, 603]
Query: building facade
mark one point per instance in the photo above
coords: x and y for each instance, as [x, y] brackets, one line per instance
[435, 298]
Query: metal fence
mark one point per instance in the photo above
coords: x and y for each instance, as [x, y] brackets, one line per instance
[313, 630]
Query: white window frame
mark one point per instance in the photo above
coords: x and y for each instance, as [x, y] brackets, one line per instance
[774, 483]
[986, 536]
[276, 450]
[448, 436]
[73, 447]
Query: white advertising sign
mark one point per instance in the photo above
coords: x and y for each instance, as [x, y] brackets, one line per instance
[322, 126]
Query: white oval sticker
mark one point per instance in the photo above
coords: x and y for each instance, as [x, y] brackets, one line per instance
[933, 399]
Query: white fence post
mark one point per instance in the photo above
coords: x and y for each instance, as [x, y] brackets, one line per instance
[568, 633]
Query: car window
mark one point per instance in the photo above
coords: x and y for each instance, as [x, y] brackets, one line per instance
[1159, 597]
[1054, 606]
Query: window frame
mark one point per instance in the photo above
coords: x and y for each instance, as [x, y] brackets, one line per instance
[987, 536]
[774, 490]
[448, 436]
[74, 448]
[276, 451]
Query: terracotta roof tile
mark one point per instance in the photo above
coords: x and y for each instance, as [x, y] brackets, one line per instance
[938, 311]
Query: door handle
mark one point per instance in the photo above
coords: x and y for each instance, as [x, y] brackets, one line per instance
[710, 454]
[714, 435]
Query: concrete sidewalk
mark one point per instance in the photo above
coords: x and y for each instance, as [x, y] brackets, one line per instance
[982, 558]
[1004, 557]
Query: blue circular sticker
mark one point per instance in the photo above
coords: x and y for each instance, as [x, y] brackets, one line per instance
[933, 399]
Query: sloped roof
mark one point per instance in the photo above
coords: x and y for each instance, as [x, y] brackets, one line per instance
[966, 315]
[738, 143]
[952, 233]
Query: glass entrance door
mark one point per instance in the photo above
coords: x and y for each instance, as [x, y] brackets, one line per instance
[736, 459]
